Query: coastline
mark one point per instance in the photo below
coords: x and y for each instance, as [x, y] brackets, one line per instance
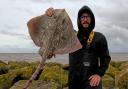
[63, 59]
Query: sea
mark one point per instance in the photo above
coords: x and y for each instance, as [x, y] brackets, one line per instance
[63, 59]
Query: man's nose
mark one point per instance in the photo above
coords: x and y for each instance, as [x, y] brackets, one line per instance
[85, 19]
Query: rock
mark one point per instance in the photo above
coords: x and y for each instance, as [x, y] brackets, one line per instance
[108, 82]
[39, 84]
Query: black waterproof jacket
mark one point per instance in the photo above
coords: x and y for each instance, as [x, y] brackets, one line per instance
[89, 60]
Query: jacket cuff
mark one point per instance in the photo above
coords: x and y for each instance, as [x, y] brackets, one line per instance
[101, 74]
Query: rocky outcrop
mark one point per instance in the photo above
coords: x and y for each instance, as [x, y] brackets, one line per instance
[39, 84]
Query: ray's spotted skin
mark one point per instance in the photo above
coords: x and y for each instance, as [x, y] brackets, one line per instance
[54, 34]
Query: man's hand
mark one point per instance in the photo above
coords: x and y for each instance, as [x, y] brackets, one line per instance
[95, 80]
[51, 55]
[50, 11]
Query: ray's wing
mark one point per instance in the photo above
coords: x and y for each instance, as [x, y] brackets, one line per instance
[33, 29]
[68, 41]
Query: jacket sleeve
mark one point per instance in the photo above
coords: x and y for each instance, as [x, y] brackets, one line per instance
[104, 57]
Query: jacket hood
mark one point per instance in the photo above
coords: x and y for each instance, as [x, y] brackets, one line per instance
[82, 32]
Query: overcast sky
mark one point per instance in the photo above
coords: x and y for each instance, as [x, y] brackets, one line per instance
[111, 19]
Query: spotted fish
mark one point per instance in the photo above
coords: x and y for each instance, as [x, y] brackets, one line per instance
[53, 34]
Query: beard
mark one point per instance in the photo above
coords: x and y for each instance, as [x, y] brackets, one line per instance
[85, 31]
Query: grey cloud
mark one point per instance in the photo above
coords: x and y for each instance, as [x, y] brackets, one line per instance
[6, 26]
[117, 36]
[25, 10]
[22, 36]
[115, 12]
[28, 48]
[111, 18]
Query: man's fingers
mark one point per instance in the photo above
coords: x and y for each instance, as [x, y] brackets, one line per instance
[49, 11]
[90, 77]
[51, 8]
[98, 83]
[94, 81]
[51, 55]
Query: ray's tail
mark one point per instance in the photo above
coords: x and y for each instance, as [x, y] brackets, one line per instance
[36, 73]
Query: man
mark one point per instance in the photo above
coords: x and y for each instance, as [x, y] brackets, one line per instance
[89, 64]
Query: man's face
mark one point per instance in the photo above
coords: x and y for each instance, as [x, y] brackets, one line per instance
[85, 20]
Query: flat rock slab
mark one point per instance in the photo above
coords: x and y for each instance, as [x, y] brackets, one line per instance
[39, 84]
